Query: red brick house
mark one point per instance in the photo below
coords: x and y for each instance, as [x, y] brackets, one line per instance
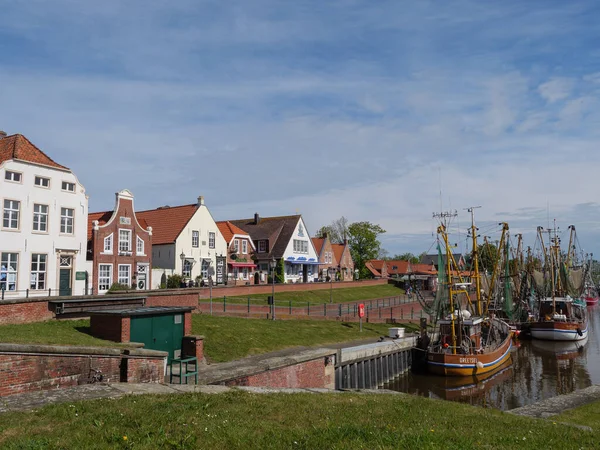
[119, 246]
[324, 249]
[241, 267]
[341, 254]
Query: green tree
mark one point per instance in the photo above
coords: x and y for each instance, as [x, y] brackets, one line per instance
[488, 253]
[280, 272]
[407, 257]
[364, 245]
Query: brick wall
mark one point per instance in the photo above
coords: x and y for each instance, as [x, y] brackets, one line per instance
[317, 373]
[112, 328]
[27, 368]
[24, 312]
[179, 297]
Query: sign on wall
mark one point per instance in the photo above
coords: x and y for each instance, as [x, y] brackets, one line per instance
[220, 272]
[125, 220]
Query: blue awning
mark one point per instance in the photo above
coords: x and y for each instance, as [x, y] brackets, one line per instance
[308, 263]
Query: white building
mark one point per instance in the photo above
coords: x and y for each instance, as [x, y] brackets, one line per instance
[187, 241]
[43, 234]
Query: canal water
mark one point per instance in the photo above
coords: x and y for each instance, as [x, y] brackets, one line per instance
[539, 370]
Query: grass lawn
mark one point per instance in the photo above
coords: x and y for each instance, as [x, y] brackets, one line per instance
[55, 332]
[584, 415]
[226, 338]
[319, 296]
[230, 338]
[319, 421]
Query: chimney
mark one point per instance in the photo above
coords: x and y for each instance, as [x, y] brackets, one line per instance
[256, 218]
[201, 200]
[2, 134]
[324, 234]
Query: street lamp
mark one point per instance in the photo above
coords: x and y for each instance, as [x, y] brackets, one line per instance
[272, 264]
[182, 256]
[330, 285]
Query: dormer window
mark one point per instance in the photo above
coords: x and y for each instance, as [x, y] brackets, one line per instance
[262, 246]
[236, 245]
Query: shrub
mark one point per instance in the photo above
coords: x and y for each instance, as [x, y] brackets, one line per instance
[118, 287]
[174, 281]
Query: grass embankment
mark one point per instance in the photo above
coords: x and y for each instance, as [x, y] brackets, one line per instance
[320, 296]
[588, 415]
[311, 421]
[226, 338]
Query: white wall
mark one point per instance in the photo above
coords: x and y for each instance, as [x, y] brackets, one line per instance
[25, 241]
[296, 275]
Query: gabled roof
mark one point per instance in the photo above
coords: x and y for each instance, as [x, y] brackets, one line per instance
[167, 222]
[375, 266]
[423, 269]
[318, 244]
[228, 230]
[397, 267]
[338, 251]
[278, 229]
[18, 147]
[104, 217]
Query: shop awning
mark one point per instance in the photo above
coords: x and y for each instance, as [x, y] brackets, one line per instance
[242, 264]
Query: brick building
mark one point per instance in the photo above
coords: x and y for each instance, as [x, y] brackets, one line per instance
[119, 246]
[240, 254]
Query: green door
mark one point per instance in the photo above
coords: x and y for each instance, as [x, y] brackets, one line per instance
[64, 282]
[162, 332]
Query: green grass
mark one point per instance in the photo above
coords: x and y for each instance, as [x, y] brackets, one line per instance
[319, 296]
[242, 420]
[231, 338]
[226, 338]
[584, 415]
[67, 332]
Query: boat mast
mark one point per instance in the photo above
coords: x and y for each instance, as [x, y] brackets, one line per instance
[476, 258]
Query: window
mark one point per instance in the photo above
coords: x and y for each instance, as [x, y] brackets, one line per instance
[211, 239]
[244, 246]
[66, 186]
[40, 218]
[11, 214]
[204, 268]
[139, 246]
[108, 243]
[245, 273]
[12, 176]
[125, 274]
[104, 277]
[187, 268]
[8, 271]
[262, 246]
[66, 220]
[124, 240]
[42, 182]
[236, 245]
[300, 246]
[195, 238]
[38, 272]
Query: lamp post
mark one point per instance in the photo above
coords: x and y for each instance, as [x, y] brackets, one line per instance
[273, 263]
[182, 256]
[330, 285]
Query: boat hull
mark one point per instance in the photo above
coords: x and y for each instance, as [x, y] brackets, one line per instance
[591, 301]
[461, 365]
[559, 331]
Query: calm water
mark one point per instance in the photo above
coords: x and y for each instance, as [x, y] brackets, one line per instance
[539, 370]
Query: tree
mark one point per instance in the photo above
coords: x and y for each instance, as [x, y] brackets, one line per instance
[337, 230]
[407, 257]
[488, 253]
[364, 245]
[383, 254]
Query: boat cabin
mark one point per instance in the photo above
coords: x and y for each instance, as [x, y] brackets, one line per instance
[561, 309]
[467, 332]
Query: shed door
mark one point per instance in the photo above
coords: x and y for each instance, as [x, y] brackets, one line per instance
[163, 333]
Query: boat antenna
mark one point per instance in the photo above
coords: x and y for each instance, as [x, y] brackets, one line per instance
[475, 252]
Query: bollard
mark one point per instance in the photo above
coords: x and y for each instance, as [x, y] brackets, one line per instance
[340, 310]
[324, 309]
[290, 307]
[392, 315]
[224, 303]
[308, 308]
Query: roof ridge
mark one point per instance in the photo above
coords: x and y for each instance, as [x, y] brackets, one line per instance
[160, 208]
[38, 149]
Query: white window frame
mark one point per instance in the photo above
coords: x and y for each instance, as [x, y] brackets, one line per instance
[204, 265]
[10, 175]
[41, 179]
[123, 248]
[39, 265]
[108, 244]
[9, 275]
[103, 278]
[186, 268]
[9, 213]
[195, 238]
[236, 245]
[139, 246]
[37, 216]
[64, 220]
[244, 273]
[300, 246]
[244, 246]
[212, 236]
[68, 186]
[123, 280]
[262, 246]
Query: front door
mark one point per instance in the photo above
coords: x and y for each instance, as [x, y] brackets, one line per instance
[65, 276]
[142, 277]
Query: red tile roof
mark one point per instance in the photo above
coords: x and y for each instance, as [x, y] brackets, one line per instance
[167, 222]
[398, 267]
[318, 243]
[423, 269]
[228, 229]
[18, 147]
[374, 266]
[338, 251]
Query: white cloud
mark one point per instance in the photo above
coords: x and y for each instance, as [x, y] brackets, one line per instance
[556, 89]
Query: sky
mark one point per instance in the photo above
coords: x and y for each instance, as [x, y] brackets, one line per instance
[382, 111]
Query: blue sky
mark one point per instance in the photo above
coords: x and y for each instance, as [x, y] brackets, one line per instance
[356, 108]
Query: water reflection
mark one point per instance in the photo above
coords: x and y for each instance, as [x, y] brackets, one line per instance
[539, 370]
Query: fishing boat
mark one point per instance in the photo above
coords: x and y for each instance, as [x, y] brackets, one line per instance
[561, 313]
[590, 295]
[467, 343]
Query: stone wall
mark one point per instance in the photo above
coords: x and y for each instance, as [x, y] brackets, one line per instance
[27, 368]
